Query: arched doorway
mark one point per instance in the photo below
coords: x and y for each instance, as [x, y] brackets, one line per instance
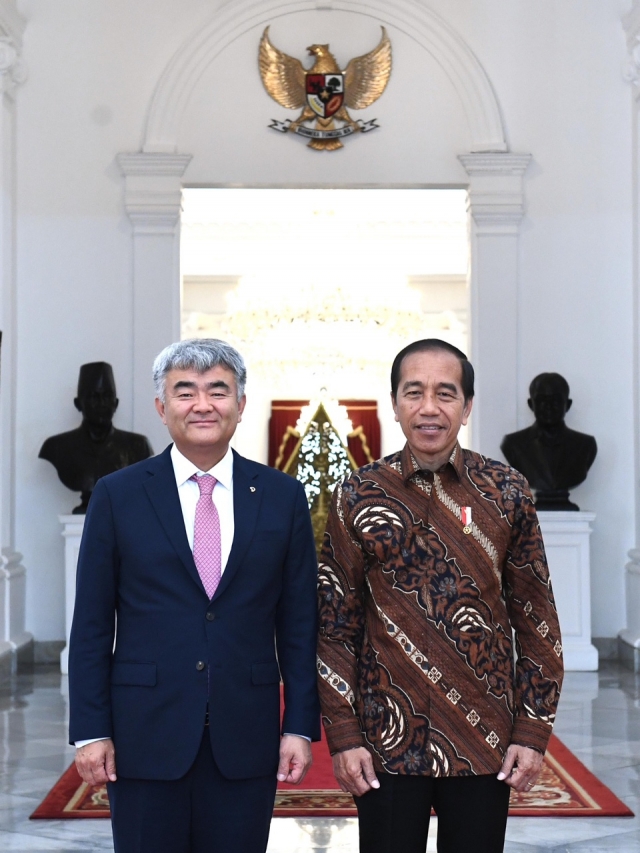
[220, 118]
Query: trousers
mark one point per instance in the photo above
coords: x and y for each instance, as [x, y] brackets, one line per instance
[203, 812]
[472, 814]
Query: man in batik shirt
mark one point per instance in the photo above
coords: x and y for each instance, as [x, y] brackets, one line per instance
[432, 566]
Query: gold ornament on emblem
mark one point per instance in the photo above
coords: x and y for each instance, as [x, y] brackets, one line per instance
[324, 92]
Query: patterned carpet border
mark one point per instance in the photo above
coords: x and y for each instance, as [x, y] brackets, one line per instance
[566, 788]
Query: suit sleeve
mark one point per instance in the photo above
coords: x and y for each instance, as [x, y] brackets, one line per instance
[533, 615]
[296, 626]
[341, 594]
[93, 626]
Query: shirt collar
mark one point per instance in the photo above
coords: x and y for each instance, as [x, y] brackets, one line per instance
[410, 466]
[184, 470]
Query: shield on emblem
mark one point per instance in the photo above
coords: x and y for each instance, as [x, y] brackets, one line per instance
[325, 93]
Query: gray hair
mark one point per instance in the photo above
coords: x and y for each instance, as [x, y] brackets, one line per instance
[199, 354]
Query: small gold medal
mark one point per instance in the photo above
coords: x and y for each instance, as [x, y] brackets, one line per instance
[466, 529]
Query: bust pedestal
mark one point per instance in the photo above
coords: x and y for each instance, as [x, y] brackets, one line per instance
[566, 541]
[72, 527]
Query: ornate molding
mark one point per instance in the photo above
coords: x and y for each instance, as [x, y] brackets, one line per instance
[633, 566]
[496, 192]
[631, 22]
[153, 164]
[153, 190]
[11, 563]
[631, 67]
[12, 25]
[495, 164]
[13, 576]
[12, 22]
[415, 20]
[13, 71]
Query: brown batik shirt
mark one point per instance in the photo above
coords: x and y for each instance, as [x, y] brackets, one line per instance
[417, 605]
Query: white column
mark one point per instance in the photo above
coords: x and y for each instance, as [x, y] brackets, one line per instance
[496, 207]
[13, 637]
[153, 200]
[629, 638]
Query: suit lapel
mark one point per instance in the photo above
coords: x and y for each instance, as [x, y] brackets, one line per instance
[162, 491]
[247, 494]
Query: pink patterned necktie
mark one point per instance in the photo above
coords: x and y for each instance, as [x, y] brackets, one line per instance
[207, 549]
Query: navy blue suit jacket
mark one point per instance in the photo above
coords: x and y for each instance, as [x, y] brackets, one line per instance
[150, 692]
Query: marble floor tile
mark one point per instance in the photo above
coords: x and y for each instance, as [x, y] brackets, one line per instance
[10, 841]
[598, 718]
[628, 842]
[70, 831]
[547, 833]
[27, 783]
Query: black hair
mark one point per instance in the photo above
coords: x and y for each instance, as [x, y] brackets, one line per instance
[431, 345]
[555, 378]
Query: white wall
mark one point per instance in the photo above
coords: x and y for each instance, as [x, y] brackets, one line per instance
[566, 101]
[555, 67]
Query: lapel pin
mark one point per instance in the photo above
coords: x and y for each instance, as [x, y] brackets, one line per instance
[465, 516]
[252, 488]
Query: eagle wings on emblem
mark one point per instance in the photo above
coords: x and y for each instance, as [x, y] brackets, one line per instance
[324, 92]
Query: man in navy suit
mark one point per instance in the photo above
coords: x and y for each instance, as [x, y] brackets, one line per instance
[181, 717]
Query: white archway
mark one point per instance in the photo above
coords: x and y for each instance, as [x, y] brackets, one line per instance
[450, 51]
[153, 184]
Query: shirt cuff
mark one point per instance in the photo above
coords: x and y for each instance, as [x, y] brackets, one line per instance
[344, 735]
[532, 733]
[292, 734]
[80, 743]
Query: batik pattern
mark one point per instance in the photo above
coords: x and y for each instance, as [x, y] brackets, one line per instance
[417, 617]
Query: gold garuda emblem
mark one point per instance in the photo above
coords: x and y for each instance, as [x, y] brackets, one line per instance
[324, 92]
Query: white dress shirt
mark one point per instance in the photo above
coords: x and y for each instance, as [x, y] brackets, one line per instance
[222, 496]
[189, 494]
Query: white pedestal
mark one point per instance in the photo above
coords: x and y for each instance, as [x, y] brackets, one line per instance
[72, 527]
[566, 541]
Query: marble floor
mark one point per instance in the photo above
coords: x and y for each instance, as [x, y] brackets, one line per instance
[599, 719]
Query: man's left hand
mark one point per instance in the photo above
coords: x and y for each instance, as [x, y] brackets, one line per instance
[521, 767]
[295, 759]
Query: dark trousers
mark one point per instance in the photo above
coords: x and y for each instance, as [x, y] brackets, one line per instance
[203, 812]
[472, 814]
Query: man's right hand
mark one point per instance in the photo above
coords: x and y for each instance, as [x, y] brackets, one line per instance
[354, 771]
[96, 762]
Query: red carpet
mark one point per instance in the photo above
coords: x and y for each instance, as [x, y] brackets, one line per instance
[565, 789]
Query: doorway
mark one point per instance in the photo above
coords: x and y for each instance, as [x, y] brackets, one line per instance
[320, 288]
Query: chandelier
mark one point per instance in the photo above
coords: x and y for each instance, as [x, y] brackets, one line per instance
[323, 322]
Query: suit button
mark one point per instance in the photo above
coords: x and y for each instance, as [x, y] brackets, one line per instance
[200, 665]
[210, 616]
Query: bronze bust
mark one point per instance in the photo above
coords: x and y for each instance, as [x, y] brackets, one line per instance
[552, 457]
[96, 448]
